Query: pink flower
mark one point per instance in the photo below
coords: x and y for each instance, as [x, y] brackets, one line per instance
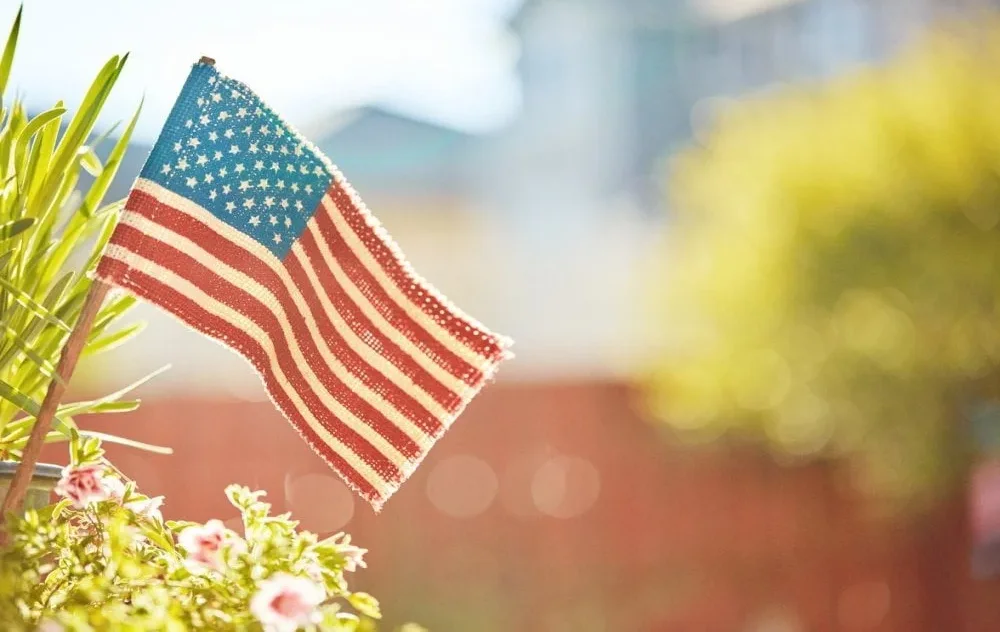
[204, 544]
[353, 557]
[283, 603]
[48, 625]
[83, 485]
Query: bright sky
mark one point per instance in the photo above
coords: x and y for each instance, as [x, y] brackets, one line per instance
[451, 62]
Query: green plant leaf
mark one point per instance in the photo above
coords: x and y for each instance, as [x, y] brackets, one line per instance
[14, 228]
[7, 60]
[132, 443]
[92, 407]
[67, 151]
[134, 385]
[113, 310]
[155, 534]
[41, 154]
[25, 136]
[63, 425]
[112, 340]
[19, 399]
[36, 124]
[29, 406]
[47, 345]
[110, 402]
[71, 306]
[100, 186]
[107, 229]
[72, 235]
[57, 291]
[37, 309]
[47, 368]
[89, 160]
[365, 604]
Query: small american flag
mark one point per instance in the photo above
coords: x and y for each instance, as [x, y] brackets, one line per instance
[246, 232]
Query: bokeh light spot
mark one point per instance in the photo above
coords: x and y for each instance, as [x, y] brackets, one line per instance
[565, 486]
[515, 491]
[462, 486]
[804, 425]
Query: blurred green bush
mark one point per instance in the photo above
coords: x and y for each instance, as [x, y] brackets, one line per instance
[831, 277]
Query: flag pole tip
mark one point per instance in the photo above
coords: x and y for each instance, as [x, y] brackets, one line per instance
[206, 60]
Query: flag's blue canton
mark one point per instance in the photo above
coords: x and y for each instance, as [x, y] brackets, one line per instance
[223, 149]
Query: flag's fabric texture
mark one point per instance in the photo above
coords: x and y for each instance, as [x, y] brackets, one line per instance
[242, 229]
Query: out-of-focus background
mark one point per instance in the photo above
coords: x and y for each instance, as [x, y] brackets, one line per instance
[518, 151]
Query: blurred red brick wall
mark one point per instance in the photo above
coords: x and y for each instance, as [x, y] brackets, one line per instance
[668, 539]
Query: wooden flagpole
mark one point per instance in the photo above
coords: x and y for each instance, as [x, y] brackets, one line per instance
[57, 387]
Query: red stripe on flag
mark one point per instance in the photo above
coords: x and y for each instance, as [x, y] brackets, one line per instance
[375, 339]
[393, 313]
[252, 308]
[149, 288]
[487, 345]
[239, 258]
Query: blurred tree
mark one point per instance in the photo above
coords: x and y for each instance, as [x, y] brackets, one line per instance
[833, 270]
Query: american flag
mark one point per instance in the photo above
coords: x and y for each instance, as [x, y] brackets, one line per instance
[246, 232]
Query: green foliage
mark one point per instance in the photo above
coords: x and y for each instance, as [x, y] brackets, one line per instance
[46, 229]
[832, 277]
[113, 565]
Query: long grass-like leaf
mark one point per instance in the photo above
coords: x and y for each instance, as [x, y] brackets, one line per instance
[15, 123]
[89, 161]
[36, 308]
[103, 181]
[15, 227]
[56, 436]
[71, 306]
[66, 425]
[134, 385]
[7, 60]
[46, 348]
[87, 408]
[132, 443]
[36, 124]
[47, 368]
[112, 311]
[41, 154]
[25, 137]
[19, 399]
[107, 229]
[31, 407]
[79, 129]
[112, 340]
